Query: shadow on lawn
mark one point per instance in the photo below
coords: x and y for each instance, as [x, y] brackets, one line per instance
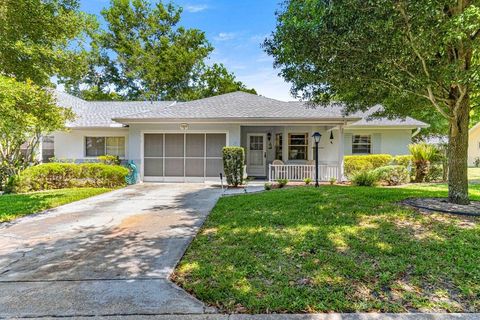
[332, 249]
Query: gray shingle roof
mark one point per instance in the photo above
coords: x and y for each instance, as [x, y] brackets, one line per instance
[384, 122]
[236, 106]
[101, 113]
[368, 121]
[240, 105]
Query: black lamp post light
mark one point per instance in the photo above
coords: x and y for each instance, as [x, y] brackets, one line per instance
[316, 137]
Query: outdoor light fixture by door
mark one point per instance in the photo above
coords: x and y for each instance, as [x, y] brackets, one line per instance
[269, 138]
[316, 137]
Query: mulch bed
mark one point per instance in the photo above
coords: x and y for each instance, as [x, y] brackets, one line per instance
[443, 206]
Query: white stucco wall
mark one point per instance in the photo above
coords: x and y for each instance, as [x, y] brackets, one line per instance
[474, 145]
[385, 141]
[71, 144]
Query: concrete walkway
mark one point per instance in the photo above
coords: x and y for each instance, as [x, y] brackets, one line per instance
[107, 255]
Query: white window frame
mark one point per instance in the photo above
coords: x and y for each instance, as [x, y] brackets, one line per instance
[307, 141]
[105, 146]
[369, 144]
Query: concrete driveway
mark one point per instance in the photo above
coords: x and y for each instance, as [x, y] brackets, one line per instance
[107, 255]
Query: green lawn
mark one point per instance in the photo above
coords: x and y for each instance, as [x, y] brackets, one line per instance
[17, 205]
[335, 248]
[474, 175]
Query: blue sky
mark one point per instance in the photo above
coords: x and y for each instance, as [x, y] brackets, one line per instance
[236, 28]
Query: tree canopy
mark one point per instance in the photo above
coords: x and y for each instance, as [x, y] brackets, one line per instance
[143, 53]
[28, 112]
[40, 39]
[413, 57]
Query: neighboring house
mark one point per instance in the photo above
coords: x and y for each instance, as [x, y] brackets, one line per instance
[474, 144]
[173, 141]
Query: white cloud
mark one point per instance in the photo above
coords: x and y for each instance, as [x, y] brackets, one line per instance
[224, 36]
[194, 8]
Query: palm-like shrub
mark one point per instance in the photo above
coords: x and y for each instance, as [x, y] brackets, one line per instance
[423, 155]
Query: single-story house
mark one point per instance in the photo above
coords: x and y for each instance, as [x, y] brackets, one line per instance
[474, 144]
[183, 141]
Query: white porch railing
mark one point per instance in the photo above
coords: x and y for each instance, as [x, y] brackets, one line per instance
[299, 172]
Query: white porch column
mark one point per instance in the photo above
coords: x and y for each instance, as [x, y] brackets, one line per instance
[341, 151]
[285, 144]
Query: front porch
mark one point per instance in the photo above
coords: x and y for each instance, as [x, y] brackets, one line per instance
[288, 151]
[299, 172]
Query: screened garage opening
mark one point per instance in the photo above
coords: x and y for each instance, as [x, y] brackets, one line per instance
[183, 156]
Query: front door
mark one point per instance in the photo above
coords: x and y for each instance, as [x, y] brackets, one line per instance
[256, 154]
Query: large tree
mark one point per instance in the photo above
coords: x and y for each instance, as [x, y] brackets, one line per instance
[27, 113]
[408, 55]
[144, 53]
[40, 39]
[212, 81]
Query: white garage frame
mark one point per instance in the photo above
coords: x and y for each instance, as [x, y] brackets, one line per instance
[184, 178]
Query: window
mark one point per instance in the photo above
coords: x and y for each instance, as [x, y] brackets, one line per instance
[100, 146]
[297, 146]
[48, 148]
[278, 146]
[361, 144]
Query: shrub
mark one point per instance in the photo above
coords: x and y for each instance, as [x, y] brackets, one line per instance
[103, 176]
[61, 160]
[68, 175]
[233, 164]
[307, 181]
[393, 175]
[423, 154]
[354, 164]
[476, 162]
[435, 173]
[109, 159]
[365, 178]
[282, 182]
[403, 160]
[268, 186]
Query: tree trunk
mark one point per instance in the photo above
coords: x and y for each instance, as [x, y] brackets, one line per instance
[458, 155]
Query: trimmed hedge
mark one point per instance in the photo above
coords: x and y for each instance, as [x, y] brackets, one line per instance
[233, 164]
[353, 164]
[69, 175]
[405, 160]
[109, 159]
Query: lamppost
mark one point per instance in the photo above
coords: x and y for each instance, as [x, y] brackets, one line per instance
[316, 137]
